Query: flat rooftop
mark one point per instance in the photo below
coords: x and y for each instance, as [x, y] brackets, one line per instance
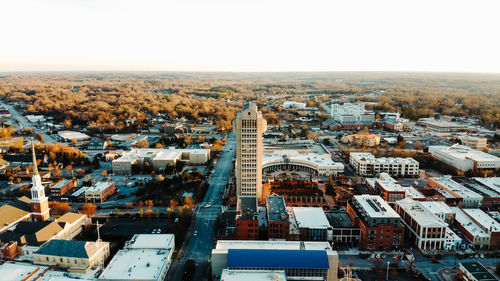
[491, 183]
[14, 271]
[339, 219]
[464, 152]
[368, 157]
[136, 264]
[224, 245]
[471, 227]
[151, 241]
[100, 186]
[483, 219]
[437, 207]
[246, 208]
[455, 187]
[252, 275]
[60, 184]
[276, 208]
[311, 217]
[375, 207]
[420, 214]
[477, 270]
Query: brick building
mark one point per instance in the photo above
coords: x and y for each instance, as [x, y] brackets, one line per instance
[278, 224]
[247, 223]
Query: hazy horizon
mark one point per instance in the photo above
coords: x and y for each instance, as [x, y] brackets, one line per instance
[250, 36]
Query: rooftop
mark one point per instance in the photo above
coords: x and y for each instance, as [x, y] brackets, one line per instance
[483, 219]
[10, 214]
[252, 275]
[375, 207]
[421, 215]
[14, 271]
[491, 183]
[136, 264]
[224, 245]
[70, 135]
[70, 248]
[339, 219]
[60, 184]
[310, 217]
[279, 259]
[151, 241]
[455, 187]
[464, 152]
[246, 208]
[276, 208]
[471, 227]
[100, 186]
[370, 158]
[437, 207]
[478, 271]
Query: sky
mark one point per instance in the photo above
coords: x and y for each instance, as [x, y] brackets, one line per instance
[256, 35]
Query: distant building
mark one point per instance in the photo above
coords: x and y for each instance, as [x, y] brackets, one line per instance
[278, 224]
[362, 139]
[97, 145]
[145, 257]
[299, 260]
[381, 227]
[471, 229]
[100, 191]
[391, 190]
[293, 104]
[365, 164]
[464, 158]
[60, 188]
[437, 125]
[312, 224]
[351, 116]
[69, 136]
[76, 256]
[469, 198]
[158, 158]
[474, 142]
[249, 126]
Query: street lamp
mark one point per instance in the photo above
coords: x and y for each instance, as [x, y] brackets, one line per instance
[387, 272]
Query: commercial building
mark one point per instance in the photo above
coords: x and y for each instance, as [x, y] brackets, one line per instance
[474, 142]
[391, 190]
[490, 225]
[362, 138]
[145, 257]
[351, 116]
[344, 232]
[253, 275]
[381, 227]
[312, 224]
[440, 126]
[278, 223]
[427, 230]
[440, 209]
[69, 136]
[247, 221]
[321, 165]
[472, 230]
[100, 191]
[249, 126]
[293, 104]
[158, 159]
[469, 198]
[474, 271]
[489, 188]
[76, 256]
[299, 260]
[464, 158]
[60, 188]
[366, 164]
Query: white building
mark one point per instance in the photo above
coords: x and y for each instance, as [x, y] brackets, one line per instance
[313, 224]
[293, 104]
[464, 158]
[286, 252]
[158, 158]
[366, 164]
[146, 257]
[473, 231]
[350, 113]
[426, 228]
[440, 209]
[69, 136]
[321, 165]
[469, 198]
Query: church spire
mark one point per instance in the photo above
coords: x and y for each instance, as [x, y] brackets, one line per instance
[35, 166]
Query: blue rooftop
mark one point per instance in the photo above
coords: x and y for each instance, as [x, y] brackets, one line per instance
[287, 259]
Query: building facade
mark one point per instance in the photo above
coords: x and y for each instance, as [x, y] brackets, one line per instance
[366, 164]
[100, 191]
[278, 223]
[249, 126]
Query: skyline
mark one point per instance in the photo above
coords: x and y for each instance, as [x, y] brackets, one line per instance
[222, 36]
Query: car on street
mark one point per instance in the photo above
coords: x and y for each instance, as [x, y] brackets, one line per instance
[195, 233]
[207, 206]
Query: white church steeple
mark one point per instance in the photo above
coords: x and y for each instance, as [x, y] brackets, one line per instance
[38, 203]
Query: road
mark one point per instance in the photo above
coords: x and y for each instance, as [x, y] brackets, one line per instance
[23, 122]
[199, 247]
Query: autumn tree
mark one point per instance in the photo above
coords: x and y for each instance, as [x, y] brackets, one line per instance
[88, 209]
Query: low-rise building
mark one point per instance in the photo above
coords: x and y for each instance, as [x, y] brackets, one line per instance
[74, 223]
[490, 225]
[76, 256]
[366, 164]
[427, 230]
[362, 139]
[100, 191]
[11, 216]
[60, 188]
[312, 224]
[278, 223]
[441, 210]
[438, 125]
[97, 145]
[469, 198]
[381, 227]
[464, 158]
[247, 222]
[299, 260]
[473, 231]
[474, 142]
[293, 104]
[474, 271]
[321, 165]
[145, 257]
[344, 232]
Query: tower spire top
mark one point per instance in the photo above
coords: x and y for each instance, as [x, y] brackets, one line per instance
[35, 166]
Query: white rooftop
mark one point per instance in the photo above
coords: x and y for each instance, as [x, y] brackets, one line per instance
[492, 183]
[389, 184]
[483, 219]
[468, 224]
[252, 275]
[465, 152]
[437, 207]
[13, 271]
[70, 135]
[295, 156]
[310, 217]
[370, 158]
[419, 214]
[375, 206]
[136, 264]
[412, 192]
[151, 241]
[455, 187]
[100, 186]
[224, 245]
